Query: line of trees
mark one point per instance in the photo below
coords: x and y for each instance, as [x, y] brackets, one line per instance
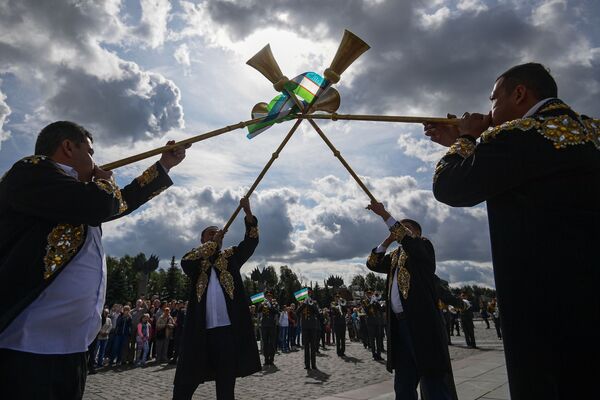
[130, 278]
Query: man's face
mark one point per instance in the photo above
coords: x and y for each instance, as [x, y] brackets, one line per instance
[209, 235]
[413, 228]
[503, 104]
[82, 159]
[293, 306]
[139, 303]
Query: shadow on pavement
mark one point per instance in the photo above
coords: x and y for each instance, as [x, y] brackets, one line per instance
[319, 376]
[352, 359]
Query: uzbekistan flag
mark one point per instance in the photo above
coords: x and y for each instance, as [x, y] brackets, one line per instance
[301, 294]
[306, 87]
[258, 297]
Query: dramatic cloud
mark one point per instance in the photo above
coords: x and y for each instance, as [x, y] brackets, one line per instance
[58, 48]
[433, 56]
[127, 69]
[153, 23]
[327, 222]
[4, 113]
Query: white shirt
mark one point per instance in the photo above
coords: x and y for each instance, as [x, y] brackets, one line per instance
[216, 308]
[283, 319]
[537, 106]
[395, 300]
[66, 317]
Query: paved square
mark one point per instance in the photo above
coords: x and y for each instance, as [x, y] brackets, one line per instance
[288, 379]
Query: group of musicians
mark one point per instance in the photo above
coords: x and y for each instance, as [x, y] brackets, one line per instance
[315, 321]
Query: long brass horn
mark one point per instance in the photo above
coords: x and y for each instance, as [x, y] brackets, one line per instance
[349, 50]
[265, 63]
[328, 101]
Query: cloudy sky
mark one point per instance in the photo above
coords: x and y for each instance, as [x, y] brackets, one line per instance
[140, 72]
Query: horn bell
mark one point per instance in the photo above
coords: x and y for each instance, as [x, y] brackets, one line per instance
[260, 108]
[265, 63]
[351, 47]
[329, 101]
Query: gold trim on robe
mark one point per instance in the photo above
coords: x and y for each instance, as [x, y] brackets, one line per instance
[464, 147]
[63, 242]
[147, 176]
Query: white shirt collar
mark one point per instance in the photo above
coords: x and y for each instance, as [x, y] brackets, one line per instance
[68, 170]
[537, 106]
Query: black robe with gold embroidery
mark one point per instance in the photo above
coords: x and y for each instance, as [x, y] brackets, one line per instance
[416, 263]
[44, 216]
[540, 177]
[193, 366]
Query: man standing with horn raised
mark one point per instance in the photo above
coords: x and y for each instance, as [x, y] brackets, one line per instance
[218, 339]
[416, 341]
[52, 263]
[537, 166]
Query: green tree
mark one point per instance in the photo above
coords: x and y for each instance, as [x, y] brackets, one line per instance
[359, 282]
[288, 284]
[174, 285]
[120, 280]
[335, 281]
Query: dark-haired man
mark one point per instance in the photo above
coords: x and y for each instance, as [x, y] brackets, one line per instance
[52, 266]
[417, 347]
[218, 339]
[537, 165]
[308, 314]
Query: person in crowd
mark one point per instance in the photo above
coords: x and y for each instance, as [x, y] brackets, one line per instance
[103, 338]
[269, 318]
[164, 331]
[534, 161]
[218, 342]
[466, 320]
[136, 317]
[495, 313]
[292, 326]
[122, 333]
[373, 319]
[308, 313]
[484, 314]
[284, 329]
[338, 313]
[416, 339]
[142, 337]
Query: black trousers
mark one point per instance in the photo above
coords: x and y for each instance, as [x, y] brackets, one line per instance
[220, 348]
[269, 335]
[375, 339]
[340, 340]
[469, 331]
[29, 376]
[310, 341]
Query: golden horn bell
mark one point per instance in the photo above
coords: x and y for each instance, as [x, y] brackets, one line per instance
[349, 50]
[260, 108]
[329, 101]
[265, 63]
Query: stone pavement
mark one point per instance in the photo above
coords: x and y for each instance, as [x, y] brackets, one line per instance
[479, 374]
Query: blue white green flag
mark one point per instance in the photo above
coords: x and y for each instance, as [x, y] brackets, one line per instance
[306, 87]
[301, 294]
[257, 298]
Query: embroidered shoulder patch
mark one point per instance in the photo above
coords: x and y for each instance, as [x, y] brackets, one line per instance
[562, 130]
[33, 159]
[63, 242]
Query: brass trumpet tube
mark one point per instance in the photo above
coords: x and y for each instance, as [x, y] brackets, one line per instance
[337, 153]
[382, 118]
[198, 138]
[263, 172]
